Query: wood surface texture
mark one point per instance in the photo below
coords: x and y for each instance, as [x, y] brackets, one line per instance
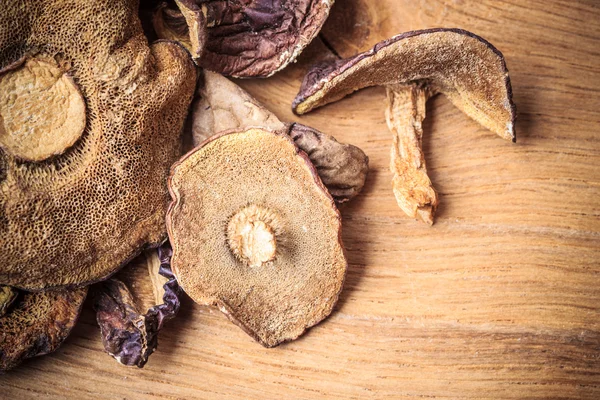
[499, 299]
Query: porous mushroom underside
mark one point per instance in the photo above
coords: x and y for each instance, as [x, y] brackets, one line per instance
[270, 255]
[87, 143]
[37, 324]
[414, 66]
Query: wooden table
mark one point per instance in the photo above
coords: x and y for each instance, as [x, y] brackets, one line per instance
[499, 299]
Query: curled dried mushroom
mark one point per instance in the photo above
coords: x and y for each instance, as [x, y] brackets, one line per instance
[90, 122]
[128, 334]
[414, 66]
[181, 20]
[253, 38]
[220, 105]
[269, 256]
[37, 324]
[7, 296]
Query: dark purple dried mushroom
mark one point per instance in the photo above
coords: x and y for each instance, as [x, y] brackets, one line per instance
[251, 38]
[129, 335]
[37, 324]
[413, 67]
[220, 105]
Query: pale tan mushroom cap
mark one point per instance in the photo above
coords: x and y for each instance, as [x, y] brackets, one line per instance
[76, 215]
[457, 63]
[261, 180]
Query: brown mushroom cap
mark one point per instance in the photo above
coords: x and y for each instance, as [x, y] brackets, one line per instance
[255, 233]
[254, 38]
[414, 66]
[77, 215]
[37, 324]
[221, 105]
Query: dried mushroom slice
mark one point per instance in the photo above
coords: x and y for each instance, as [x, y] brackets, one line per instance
[221, 105]
[181, 20]
[7, 297]
[128, 334]
[270, 255]
[90, 118]
[251, 38]
[414, 66]
[37, 324]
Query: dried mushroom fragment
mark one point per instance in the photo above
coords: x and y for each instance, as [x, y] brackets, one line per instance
[252, 38]
[7, 296]
[37, 324]
[269, 256]
[413, 67]
[221, 105]
[128, 334]
[181, 20]
[90, 123]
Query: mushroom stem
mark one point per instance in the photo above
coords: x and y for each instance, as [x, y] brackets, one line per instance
[404, 114]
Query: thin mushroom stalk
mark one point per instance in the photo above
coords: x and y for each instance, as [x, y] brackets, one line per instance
[413, 67]
[412, 187]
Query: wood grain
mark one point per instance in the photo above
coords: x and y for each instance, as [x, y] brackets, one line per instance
[500, 298]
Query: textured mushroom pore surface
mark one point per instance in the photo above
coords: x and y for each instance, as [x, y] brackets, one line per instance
[220, 105]
[255, 233]
[37, 323]
[90, 123]
[461, 65]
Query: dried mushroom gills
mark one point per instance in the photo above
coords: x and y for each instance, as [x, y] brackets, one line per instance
[244, 39]
[128, 335]
[37, 324]
[78, 215]
[414, 65]
[221, 105]
[412, 187]
[278, 266]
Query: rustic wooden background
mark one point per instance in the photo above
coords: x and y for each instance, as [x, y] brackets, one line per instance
[499, 299]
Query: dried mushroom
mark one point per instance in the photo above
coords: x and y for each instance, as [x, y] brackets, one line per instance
[269, 256]
[37, 324]
[251, 38]
[413, 67]
[128, 334]
[182, 20]
[90, 122]
[221, 105]
[7, 296]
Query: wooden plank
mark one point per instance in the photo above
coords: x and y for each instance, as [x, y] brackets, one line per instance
[499, 299]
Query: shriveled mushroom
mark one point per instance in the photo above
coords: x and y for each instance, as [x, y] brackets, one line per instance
[7, 296]
[255, 233]
[128, 334]
[414, 66]
[182, 20]
[221, 105]
[253, 38]
[90, 123]
[37, 324]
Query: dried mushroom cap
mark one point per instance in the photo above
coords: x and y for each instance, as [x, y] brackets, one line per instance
[42, 111]
[414, 66]
[76, 217]
[253, 38]
[182, 20]
[268, 255]
[221, 105]
[37, 324]
[7, 296]
[129, 334]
